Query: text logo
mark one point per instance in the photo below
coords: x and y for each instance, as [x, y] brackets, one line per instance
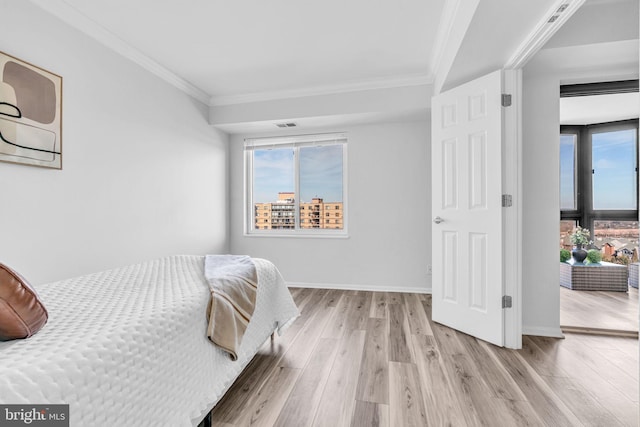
[34, 415]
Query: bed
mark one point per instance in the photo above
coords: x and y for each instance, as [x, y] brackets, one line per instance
[128, 347]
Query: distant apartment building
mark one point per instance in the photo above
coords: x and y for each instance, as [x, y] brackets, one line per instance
[280, 215]
[318, 214]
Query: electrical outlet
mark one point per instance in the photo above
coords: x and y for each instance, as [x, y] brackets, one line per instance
[429, 269]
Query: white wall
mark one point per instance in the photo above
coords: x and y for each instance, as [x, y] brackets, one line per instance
[144, 175]
[542, 78]
[366, 102]
[389, 202]
[541, 206]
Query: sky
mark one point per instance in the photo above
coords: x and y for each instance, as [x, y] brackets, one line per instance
[613, 162]
[320, 173]
[566, 171]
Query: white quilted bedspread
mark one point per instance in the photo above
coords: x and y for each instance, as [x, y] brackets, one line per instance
[128, 347]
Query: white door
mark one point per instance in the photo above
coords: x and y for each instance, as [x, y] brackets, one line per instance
[467, 208]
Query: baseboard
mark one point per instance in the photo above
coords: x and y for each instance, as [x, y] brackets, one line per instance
[353, 287]
[541, 331]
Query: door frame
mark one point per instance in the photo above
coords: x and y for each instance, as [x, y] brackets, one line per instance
[512, 216]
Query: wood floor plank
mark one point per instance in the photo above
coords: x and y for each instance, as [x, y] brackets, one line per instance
[544, 401]
[619, 378]
[619, 359]
[599, 309]
[441, 405]
[336, 325]
[468, 382]
[338, 400]
[300, 408]
[417, 317]
[302, 295]
[541, 360]
[379, 302]
[494, 374]
[333, 297]
[368, 414]
[406, 407]
[399, 335]
[595, 381]
[586, 408]
[395, 298]
[266, 360]
[298, 353]
[251, 379]
[522, 414]
[373, 381]
[358, 311]
[264, 407]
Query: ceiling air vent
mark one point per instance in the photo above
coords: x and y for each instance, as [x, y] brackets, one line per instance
[556, 15]
[286, 125]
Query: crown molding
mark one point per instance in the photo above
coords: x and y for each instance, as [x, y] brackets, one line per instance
[543, 32]
[79, 21]
[384, 83]
[74, 18]
[447, 19]
[455, 20]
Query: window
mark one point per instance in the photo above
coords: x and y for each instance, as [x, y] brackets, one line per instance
[599, 180]
[296, 177]
[568, 171]
[599, 170]
[613, 163]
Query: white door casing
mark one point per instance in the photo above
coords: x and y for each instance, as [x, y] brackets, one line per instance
[467, 128]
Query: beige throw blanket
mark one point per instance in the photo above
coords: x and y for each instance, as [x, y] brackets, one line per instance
[233, 283]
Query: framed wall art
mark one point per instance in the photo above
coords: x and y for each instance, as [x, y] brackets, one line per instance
[30, 114]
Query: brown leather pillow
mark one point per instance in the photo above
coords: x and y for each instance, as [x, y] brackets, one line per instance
[22, 314]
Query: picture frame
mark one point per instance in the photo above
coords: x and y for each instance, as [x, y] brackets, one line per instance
[30, 114]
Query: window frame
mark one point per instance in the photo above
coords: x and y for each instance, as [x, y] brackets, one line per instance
[575, 132]
[296, 142]
[584, 212]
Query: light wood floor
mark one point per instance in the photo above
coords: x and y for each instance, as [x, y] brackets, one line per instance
[602, 310]
[376, 359]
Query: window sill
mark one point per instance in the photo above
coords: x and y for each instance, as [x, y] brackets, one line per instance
[297, 235]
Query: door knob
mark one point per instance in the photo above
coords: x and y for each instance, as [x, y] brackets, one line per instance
[438, 220]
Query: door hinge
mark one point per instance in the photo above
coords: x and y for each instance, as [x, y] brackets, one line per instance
[506, 301]
[506, 100]
[507, 201]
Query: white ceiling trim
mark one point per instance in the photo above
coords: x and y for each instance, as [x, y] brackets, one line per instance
[73, 17]
[455, 21]
[543, 32]
[385, 83]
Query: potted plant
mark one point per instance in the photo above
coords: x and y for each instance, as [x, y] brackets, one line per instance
[580, 238]
[594, 256]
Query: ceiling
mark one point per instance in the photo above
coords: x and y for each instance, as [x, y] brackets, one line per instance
[228, 53]
[227, 48]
